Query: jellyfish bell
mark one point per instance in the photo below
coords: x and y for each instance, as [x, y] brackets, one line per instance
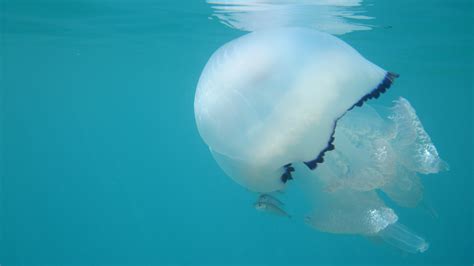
[273, 97]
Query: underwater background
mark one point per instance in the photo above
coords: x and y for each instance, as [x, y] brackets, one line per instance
[101, 161]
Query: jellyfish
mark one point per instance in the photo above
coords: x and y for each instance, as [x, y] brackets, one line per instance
[292, 103]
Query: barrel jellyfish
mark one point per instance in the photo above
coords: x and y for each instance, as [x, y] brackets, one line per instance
[293, 103]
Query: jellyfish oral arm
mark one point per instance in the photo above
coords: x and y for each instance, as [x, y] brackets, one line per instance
[403, 238]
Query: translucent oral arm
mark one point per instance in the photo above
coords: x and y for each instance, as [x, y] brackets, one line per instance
[403, 238]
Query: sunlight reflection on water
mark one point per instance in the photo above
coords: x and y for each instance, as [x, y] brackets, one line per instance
[332, 16]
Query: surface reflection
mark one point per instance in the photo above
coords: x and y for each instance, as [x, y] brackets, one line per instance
[332, 16]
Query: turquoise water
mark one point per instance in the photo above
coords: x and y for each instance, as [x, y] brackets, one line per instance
[102, 161]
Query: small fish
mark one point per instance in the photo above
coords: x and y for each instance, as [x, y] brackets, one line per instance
[308, 220]
[266, 198]
[271, 208]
